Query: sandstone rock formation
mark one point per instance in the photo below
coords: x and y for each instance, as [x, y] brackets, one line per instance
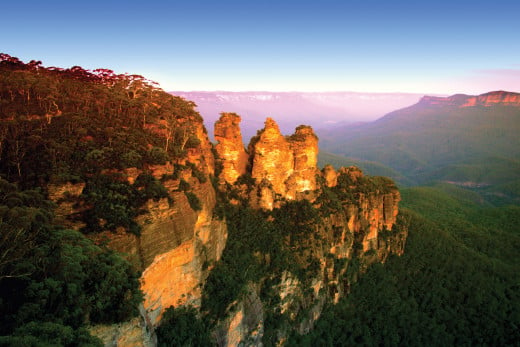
[272, 157]
[287, 164]
[230, 148]
[304, 144]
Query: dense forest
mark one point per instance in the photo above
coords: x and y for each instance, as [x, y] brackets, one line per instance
[458, 282]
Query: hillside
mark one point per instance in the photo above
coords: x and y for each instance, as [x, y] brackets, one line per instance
[467, 140]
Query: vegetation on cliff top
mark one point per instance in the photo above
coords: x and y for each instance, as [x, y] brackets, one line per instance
[75, 125]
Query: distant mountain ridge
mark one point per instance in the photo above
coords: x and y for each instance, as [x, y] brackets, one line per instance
[486, 99]
[317, 109]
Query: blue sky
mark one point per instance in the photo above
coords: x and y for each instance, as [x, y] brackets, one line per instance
[350, 45]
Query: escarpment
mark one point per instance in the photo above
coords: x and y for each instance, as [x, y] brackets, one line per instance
[319, 230]
[178, 235]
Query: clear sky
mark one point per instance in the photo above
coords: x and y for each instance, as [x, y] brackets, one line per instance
[327, 45]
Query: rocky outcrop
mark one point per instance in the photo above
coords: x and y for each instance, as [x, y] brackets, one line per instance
[128, 334]
[176, 248]
[230, 149]
[494, 98]
[283, 166]
[304, 145]
[272, 157]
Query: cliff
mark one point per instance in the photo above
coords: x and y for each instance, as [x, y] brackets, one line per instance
[353, 225]
[486, 100]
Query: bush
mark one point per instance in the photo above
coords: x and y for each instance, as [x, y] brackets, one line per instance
[182, 327]
[157, 156]
[194, 201]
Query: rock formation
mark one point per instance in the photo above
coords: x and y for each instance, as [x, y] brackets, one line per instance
[178, 244]
[361, 226]
[287, 164]
[272, 157]
[304, 144]
[230, 148]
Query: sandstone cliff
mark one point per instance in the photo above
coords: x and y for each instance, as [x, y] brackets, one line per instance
[179, 243]
[176, 242]
[486, 100]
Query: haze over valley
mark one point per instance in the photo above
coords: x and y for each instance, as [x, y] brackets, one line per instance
[320, 110]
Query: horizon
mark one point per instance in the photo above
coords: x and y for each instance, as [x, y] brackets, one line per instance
[467, 47]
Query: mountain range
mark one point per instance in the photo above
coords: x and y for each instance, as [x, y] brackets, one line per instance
[319, 110]
[466, 140]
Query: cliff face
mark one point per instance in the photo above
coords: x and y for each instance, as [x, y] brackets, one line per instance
[486, 100]
[176, 242]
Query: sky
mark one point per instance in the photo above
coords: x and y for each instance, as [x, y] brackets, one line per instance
[441, 47]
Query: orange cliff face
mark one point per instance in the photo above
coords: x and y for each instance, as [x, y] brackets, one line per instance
[176, 243]
[230, 148]
[494, 98]
[486, 100]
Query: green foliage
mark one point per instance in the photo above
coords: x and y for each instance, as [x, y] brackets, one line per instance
[112, 201]
[42, 334]
[246, 179]
[182, 327]
[193, 200]
[56, 276]
[115, 203]
[75, 122]
[261, 245]
[157, 156]
[184, 186]
[198, 174]
[148, 188]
